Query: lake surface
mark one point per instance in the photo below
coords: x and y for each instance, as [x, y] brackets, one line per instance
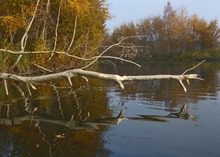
[97, 118]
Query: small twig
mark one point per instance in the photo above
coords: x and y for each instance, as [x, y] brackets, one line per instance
[19, 89]
[181, 83]
[56, 32]
[121, 59]
[70, 82]
[32, 86]
[88, 114]
[11, 40]
[192, 67]
[73, 36]
[6, 87]
[85, 78]
[40, 67]
[29, 90]
[16, 62]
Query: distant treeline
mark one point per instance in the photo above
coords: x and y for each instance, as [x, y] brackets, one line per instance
[172, 33]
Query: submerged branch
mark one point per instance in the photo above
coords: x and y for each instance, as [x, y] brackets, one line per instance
[83, 124]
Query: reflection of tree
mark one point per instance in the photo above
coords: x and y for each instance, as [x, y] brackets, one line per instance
[41, 138]
[50, 124]
[91, 125]
[38, 135]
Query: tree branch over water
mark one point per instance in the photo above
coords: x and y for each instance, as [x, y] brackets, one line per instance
[68, 74]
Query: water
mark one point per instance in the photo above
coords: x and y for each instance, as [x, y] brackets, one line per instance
[159, 118]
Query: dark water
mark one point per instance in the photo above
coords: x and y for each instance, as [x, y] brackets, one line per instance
[159, 118]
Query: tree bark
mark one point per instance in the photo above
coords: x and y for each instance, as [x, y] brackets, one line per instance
[85, 73]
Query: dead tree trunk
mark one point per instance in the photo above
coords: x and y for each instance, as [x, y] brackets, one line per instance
[103, 76]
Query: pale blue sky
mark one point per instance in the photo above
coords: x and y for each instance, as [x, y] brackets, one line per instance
[133, 10]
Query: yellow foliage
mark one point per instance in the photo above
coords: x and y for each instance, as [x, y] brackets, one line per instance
[80, 6]
[11, 23]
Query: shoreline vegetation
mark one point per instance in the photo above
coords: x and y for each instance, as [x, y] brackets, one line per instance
[173, 36]
[212, 55]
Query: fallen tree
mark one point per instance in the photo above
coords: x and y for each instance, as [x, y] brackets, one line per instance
[30, 80]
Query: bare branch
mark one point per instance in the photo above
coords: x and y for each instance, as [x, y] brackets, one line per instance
[94, 58]
[70, 82]
[56, 32]
[29, 90]
[6, 87]
[121, 59]
[73, 37]
[56, 29]
[193, 67]
[40, 67]
[181, 83]
[107, 49]
[11, 40]
[32, 86]
[44, 31]
[84, 73]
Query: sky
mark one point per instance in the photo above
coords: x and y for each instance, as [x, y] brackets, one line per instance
[134, 10]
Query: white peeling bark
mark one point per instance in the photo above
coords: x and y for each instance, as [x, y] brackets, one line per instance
[103, 76]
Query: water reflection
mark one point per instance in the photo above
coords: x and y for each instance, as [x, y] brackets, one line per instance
[90, 125]
[167, 90]
[54, 121]
[51, 122]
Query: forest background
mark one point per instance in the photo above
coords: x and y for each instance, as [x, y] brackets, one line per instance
[54, 35]
[173, 35]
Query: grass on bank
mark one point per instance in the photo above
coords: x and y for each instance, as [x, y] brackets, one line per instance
[208, 55]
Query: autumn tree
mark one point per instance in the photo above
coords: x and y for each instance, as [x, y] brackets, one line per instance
[204, 35]
[173, 32]
[50, 25]
[144, 31]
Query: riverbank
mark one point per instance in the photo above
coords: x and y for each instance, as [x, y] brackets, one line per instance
[212, 55]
